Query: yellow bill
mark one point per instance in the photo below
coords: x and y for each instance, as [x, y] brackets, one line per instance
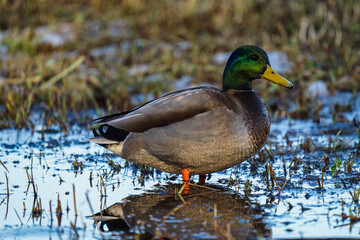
[274, 77]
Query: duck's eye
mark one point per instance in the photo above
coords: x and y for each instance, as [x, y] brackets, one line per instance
[254, 57]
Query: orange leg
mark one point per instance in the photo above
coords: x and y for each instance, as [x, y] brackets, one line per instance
[186, 178]
[202, 178]
[185, 175]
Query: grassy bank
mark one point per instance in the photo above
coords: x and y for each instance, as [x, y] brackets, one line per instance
[111, 50]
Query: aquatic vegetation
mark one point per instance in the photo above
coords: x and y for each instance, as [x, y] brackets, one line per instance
[78, 165]
[307, 145]
[334, 144]
[47, 183]
[115, 166]
[335, 168]
[65, 62]
[355, 195]
[348, 165]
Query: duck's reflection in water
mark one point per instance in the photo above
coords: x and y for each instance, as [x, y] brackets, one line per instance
[206, 214]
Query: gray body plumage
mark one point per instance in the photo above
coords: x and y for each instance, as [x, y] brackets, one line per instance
[202, 129]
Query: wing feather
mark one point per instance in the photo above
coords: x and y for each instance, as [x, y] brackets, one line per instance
[171, 108]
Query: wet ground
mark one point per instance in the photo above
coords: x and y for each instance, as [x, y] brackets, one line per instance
[61, 57]
[304, 184]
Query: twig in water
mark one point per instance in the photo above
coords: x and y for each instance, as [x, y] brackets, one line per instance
[18, 217]
[287, 179]
[318, 180]
[74, 200]
[51, 216]
[92, 213]
[7, 186]
[270, 155]
[8, 195]
[4, 166]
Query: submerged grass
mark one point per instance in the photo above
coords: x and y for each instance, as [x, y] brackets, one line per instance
[101, 53]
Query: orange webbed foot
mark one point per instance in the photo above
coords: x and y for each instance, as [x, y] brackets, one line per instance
[186, 178]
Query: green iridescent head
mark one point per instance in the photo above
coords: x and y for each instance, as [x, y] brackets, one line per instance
[246, 64]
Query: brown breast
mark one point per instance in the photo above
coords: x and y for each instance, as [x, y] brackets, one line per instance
[255, 116]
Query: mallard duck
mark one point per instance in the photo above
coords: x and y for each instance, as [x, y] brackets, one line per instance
[197, 130]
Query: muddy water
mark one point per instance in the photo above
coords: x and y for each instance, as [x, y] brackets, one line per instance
[42, 171]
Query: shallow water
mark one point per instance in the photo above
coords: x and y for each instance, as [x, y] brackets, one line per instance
[302, 209]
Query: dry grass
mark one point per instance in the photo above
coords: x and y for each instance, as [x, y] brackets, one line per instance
[321, 39]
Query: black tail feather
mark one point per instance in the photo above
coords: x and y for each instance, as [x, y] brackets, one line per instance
[111, 133]
[96, 134]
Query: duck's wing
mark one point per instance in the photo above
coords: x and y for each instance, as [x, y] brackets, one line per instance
[171, 108]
